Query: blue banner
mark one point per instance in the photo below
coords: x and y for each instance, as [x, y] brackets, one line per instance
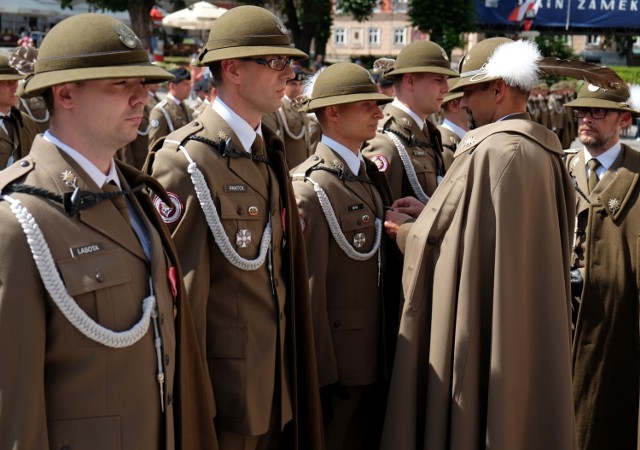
[566, 14]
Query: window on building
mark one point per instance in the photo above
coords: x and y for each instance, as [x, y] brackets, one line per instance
[340, 36]
[400, 6]
[593, 39]
[399, 37]
[374, 37]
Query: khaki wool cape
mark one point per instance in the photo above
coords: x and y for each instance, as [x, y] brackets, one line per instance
[483, 356]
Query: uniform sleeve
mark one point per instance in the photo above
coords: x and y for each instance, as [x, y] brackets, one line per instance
[23, 324]
[316, 239]
[157, 132]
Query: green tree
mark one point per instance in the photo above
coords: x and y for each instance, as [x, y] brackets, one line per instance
[138, 13]
[553, 45]
[444, 21]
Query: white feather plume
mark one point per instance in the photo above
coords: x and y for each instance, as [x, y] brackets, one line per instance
[309, 82]
[515, 62]
[634, 100]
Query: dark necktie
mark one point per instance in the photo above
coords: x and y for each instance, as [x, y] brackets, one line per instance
[118, 201]
[183, 108]
[258, 150]
[593, 164]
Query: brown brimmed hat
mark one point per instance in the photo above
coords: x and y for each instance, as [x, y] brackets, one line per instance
[421, 56]
[7, 72]
[343, 83]
[247, 31]
[452, 95]
[90, 47]
[591, 96]
[514, 62]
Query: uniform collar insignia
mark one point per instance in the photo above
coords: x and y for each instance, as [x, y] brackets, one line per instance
[469, 142]
[69, 178]
[614, 205]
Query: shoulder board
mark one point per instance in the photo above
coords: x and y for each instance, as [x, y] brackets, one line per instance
[179, 136]
[15, 171]
[161, 104]
[300, 172]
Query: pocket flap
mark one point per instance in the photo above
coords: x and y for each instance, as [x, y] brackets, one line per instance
[357, 220]
[101, 433]
[346, 318]
[240, 207]
[94, 271]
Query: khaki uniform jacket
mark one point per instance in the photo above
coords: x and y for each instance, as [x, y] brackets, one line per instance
[61, 389]
[450, 139]
[135, 153]
[346, 294]
[483, 356]
[293, 128]
[259, 345]
[36, 109]
[165, 118]
[605, 346]
[425, 151]
[24, 131]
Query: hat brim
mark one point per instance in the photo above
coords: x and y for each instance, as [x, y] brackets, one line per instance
[40, 82]
[10, 77]
[600, 103]
[316, 104]
[421, 69]
[470, 81]
[209, 56]
[452, 96]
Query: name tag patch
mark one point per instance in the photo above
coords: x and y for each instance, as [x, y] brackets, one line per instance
[419, 153]
[86, 249]
[355, 207]
[235, 188]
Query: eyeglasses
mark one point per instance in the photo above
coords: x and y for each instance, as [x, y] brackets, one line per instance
[276, 63]
[596, 113]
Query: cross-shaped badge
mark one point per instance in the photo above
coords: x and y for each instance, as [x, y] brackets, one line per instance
[243, 238]
[359, 240]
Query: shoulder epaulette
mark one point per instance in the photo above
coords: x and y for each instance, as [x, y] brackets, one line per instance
[161, 104]
[15, 171]
[301, 172]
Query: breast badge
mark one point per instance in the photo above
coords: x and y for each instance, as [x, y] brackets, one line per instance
[359, 240]
[614, 205]
[243, 238]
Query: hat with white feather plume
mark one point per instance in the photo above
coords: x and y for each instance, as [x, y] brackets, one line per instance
[515, 62]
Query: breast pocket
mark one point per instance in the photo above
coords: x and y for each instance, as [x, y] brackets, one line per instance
[244, 217]
[101, 433]
[358, 227]
[95, 282]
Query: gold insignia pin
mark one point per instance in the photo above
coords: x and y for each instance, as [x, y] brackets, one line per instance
[222, 135]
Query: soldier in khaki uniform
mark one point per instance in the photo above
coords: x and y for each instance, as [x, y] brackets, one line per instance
[483, 357]
[456, 123]
[17, 130]
[99, 345]
[408, 147]
[235, 223]
[135, 153]
[291, 125]
[340, 197]
[606, 263]
[171, 113]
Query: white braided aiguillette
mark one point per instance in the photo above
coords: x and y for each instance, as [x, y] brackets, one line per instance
[334, 227]
[217, 230]
[67, 305]
[408, 168]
